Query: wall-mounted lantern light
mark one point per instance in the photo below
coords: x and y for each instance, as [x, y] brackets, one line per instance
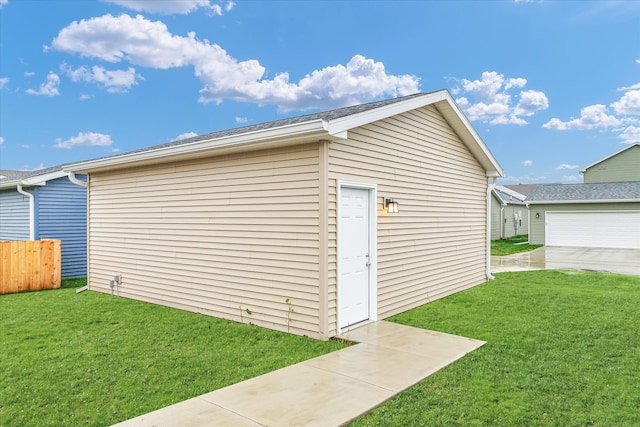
[537, 214]
[390, 205]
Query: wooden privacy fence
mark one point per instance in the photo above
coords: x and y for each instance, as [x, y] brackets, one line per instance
[30, 265]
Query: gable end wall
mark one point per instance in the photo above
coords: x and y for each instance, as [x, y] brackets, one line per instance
[436, 245]
[624, 166]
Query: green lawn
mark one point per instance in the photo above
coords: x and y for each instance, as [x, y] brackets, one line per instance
[512, 245]
[563, 349]
[70, 359]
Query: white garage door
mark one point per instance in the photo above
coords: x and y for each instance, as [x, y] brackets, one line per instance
[602, 229]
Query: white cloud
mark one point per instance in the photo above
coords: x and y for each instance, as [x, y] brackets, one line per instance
[184, 136]
[630, 134]
[571, 178]
[88, 139]
[1, 140]
[510, 179]
[629, 104]
[488, 100]
[29, 73]
[241, 120]
[591, 117]
[113, 81]
[565, 166]
[49, 87]
[3, 2]
[632, 87]
[84, 97]
[527, 163]
[169, 7]
[3, 82]
[148, 43]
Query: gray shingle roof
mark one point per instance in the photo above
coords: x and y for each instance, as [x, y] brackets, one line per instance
[324, 115]
[508, 195]
[10, 175]
[618, 191]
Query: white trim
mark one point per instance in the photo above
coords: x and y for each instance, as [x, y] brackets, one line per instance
[42, 179]
[279, 135]
[491, 184]
[570, 202]
[582, 171]
[312, 130]
[373, 248]
[32, 211]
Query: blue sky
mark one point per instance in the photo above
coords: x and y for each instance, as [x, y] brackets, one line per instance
[550, 86]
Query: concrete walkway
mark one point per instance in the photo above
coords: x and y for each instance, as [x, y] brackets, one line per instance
[329, 390]
[624, 261]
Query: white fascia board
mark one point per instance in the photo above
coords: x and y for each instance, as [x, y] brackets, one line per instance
[10, 184]
[42, 179]
[582, 171]
[311, 129]
[339, 127]
[570, 202]
[472, 140]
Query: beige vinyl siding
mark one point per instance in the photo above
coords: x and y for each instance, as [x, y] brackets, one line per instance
[537, 236]
[217, 236]
[436, 245]
[621, 167]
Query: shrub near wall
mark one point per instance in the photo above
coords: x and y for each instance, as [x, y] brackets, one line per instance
[30, 265]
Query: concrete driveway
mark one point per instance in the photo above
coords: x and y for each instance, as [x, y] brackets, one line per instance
[624, 261]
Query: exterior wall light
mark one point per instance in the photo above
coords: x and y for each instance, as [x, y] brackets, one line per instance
[391, 206]
[537, 214]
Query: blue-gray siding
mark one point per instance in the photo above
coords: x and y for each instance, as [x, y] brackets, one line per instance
[61, 213]
[14, 216]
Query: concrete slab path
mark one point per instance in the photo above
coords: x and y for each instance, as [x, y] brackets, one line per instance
[329, 390]
[623, 261]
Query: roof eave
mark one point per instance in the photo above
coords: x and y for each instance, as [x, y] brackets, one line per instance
[445, 103]
[560, 202]
[267, 138]
[582, 171]
[462, 126]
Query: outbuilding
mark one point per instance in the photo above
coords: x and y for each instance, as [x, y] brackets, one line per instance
[310, 224]
[44, 204]
[604, 214]
[509, 213]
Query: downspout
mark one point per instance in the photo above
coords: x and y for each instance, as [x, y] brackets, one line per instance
[490, 187]
[502, 221]
[528, 223]
[85, 184]
[76, 181]
[32, 212]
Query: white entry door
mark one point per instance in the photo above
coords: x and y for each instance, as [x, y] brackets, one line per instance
[354, 257]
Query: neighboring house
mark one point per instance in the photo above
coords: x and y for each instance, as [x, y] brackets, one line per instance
[602, 212]
[590, 215]
[623, 165]
[44, 204]
[287, 224]
[509, 213]
[526, 189]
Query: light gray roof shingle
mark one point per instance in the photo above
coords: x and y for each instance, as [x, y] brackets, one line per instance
[10, 175]
[323, 115]
[616, 191]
